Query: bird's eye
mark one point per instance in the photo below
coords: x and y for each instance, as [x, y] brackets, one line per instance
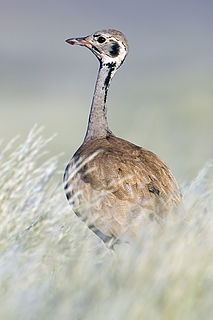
[101, 39]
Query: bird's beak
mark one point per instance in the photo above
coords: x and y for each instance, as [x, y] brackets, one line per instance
[79, 41]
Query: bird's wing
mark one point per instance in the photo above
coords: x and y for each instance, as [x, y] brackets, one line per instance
[131, 175]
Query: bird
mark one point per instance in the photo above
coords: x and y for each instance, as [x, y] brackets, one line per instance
[112, 183]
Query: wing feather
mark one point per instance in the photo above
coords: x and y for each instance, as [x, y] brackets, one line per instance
[131, 173]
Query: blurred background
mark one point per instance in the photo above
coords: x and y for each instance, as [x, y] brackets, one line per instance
[161, 98]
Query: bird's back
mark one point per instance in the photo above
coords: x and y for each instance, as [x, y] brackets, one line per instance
[112, 183]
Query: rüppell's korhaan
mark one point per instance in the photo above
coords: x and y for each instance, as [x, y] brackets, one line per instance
[110, 182]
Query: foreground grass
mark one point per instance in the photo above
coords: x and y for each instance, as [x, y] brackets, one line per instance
[53, 267]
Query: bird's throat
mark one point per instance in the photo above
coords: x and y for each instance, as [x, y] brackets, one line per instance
[97, 124]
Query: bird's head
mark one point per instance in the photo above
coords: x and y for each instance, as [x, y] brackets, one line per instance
[109, 46]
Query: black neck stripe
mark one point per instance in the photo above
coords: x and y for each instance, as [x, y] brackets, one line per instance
[111, 67]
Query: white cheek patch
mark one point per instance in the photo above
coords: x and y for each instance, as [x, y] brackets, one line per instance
[113, 50]
[117, 52]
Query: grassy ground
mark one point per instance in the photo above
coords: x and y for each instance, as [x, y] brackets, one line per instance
[53, 267]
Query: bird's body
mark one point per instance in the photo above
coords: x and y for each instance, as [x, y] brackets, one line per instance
[111, 182]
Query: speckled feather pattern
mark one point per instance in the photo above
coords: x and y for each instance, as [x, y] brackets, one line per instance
[121, 183]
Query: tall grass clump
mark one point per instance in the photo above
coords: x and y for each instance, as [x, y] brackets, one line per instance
[53, 267]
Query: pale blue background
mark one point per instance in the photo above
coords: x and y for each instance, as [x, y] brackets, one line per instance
[161, 99]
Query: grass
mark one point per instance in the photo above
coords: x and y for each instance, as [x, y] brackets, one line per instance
[53, 267]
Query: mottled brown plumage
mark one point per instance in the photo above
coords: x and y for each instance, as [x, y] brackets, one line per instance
[120, 183]
[110, 182]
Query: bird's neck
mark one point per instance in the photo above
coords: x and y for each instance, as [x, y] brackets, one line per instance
[97, 124]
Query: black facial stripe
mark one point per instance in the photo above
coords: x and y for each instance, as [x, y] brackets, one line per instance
[96, 49]
[115, 48]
